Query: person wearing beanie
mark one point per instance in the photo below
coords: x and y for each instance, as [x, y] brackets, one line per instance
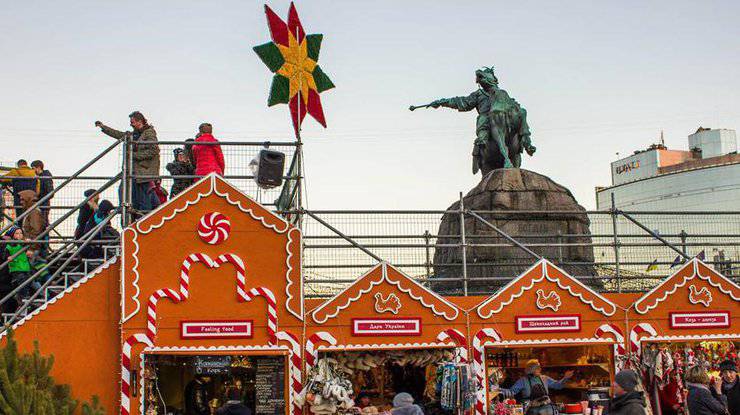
[181, 166]
[730, 385]
[403, 404]
[86, 212]
[627, 399]
[522, 388]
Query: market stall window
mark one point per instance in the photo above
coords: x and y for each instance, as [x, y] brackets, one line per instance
[664, 364]
[569, 374]
[371, 381]
[200, 384]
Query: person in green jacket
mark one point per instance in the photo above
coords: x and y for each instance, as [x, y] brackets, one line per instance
[20, 267]
[145, 155]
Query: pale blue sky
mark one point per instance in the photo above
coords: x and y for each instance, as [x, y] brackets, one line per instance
[596, 78]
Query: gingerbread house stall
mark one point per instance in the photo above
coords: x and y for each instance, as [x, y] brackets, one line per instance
[211, 299]
[548, 316]
[693, 317]
[385, 334]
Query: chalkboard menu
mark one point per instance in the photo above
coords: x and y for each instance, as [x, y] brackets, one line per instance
[211, 365]
[269, 385]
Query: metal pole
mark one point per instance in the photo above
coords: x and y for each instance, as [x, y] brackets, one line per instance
[427, 263]
[464, 247]
[123, 198]
[683, 236]
[617, 276]
[345, 237]
[505, 235]
[129, 180]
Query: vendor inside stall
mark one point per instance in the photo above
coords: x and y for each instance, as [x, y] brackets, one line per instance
[522, 388]
[563, 374]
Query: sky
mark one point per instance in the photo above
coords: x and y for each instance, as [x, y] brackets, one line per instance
[597, 79]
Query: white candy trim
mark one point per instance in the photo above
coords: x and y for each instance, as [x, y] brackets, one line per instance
[608, 311]
[676, 285]
[384, 277]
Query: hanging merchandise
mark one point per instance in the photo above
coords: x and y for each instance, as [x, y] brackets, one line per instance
[328, 389]
[455, 387]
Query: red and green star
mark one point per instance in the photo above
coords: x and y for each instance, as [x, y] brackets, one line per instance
[293, 57]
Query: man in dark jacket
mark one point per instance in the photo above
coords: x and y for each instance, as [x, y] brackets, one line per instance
[46, 186]
[145, 154]
[233, 405]
[627, 400]
[730, 385]
[196, 396]
[180, 167]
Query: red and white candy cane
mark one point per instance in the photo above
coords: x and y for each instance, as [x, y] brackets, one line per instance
[637, 332]
[619, 350]
[459, 339]
[272, 318]
[312, 353]
[480, 340]
[214, 228]
[296, 384]
[618, 336]
[151, 309]
[241, 278]
[185, 269]
[126, 369]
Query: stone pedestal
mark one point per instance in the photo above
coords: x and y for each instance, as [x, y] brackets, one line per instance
[498, 198]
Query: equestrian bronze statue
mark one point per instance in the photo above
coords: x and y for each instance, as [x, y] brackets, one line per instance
[501, 129]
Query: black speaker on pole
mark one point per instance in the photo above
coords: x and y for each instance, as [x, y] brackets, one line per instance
[271, 165]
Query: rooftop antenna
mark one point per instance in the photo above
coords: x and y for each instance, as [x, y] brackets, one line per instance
[662, 140]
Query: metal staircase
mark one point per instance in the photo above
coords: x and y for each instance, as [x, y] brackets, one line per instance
[65, 280]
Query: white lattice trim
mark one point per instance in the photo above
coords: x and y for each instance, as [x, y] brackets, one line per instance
[59, 296]
[373, 283]
[695, 274]
[608, 311]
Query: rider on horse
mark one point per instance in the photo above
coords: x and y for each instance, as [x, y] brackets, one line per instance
[501, 120]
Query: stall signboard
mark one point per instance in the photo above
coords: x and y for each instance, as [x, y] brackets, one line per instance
[699, 320]
[385, 308]
[695, 303]
[217, 329]
[544, 306]
[548, 324]
[386, 327]
[211, 365]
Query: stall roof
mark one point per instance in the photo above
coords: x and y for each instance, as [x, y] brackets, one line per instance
[694, 269]
[390, 275]
[540, 271]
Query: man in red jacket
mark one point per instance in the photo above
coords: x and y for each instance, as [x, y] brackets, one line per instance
[207, 158]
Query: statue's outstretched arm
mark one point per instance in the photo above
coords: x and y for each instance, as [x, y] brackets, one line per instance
[460, 103]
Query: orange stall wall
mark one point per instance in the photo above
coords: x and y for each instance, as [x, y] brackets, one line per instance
[80, 329]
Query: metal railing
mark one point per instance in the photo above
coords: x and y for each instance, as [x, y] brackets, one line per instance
[620, 251]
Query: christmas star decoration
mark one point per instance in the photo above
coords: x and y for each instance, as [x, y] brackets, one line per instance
[293, 57]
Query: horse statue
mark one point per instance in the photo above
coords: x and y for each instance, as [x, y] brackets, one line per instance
[502, 132]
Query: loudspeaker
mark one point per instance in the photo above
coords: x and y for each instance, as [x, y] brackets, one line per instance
[270, 170]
